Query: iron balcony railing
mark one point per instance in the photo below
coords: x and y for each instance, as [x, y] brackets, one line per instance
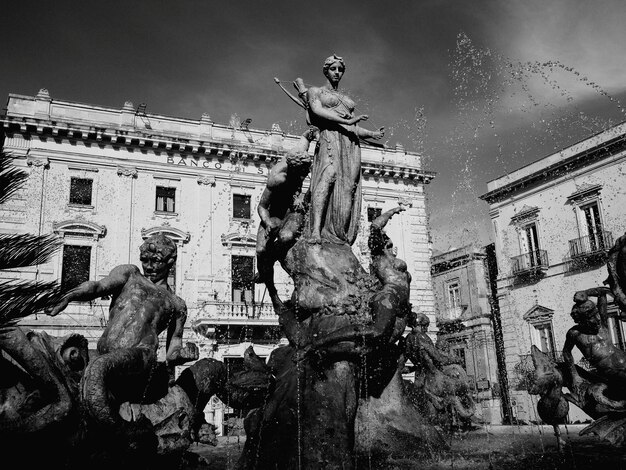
[595, 243]
[532, 261]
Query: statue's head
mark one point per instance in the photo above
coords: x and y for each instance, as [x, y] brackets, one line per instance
[334, 68]
[74, 352]
[418, 320]
[422, 321]
[585, 312]
[157, 255]
[298, 162]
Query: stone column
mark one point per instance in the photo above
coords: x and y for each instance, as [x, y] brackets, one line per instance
[127, 186]
[37, 180]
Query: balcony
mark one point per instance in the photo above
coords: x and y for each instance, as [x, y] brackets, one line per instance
[215, 312]
[448, 313]
[532, 264]
[590, 250]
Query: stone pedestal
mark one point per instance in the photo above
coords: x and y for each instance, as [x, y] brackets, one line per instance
[329, 405]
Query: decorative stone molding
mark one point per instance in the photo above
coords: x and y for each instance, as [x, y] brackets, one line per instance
[525, 215]
[38, 162]
[43, 94]
[206, 180]
[79, 228]
[178, 236]
[494, 212]
[405, 201]
[538, 314]
[130, 172]
[237, 239]
[584, 193]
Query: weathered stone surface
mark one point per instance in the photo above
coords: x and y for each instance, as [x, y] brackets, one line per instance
[392, 424]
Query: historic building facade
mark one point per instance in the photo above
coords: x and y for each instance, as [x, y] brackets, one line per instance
[104, 179]
[463, 310]
[553, 222]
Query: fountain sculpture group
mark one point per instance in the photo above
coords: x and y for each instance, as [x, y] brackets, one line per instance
[335, 390]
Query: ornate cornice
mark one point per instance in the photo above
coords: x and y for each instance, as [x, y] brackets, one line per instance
[538, 314]
[80, 228]
[177, 235]
[584, 192]
[525, 214]
[135, 137]
[38, 162]
[237, 239]
[130, 172]
[206, 180]
[383, 171]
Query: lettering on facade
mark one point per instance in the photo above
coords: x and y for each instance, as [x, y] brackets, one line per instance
[197, 162]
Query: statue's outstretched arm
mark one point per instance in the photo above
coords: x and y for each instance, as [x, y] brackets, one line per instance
[90, 290]
[381, 221]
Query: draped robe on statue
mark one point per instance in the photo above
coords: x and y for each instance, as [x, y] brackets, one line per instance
[338, 149]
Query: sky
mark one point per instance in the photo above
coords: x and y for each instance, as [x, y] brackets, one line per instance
[479, 88]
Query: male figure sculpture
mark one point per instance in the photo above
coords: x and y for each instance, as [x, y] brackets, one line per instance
[438, 374]
[142, 306]
[389, 304]
[281, 208]
[592, 337]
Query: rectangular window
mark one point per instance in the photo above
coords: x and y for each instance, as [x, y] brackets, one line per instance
[454, 294]
[460, 352]
[165, 199]
[241, 206]
[80, 191]
[530, 242]
[373, 212]
[242, 275]
[545, 338]
[76, 266]
[593, 226]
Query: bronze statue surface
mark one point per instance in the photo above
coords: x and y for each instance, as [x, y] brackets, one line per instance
[442, 386]
[142, 306]
[282, 208]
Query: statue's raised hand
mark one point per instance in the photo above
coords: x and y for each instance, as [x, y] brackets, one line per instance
[379, 134]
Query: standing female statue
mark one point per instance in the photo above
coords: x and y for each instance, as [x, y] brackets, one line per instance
[336, 172]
